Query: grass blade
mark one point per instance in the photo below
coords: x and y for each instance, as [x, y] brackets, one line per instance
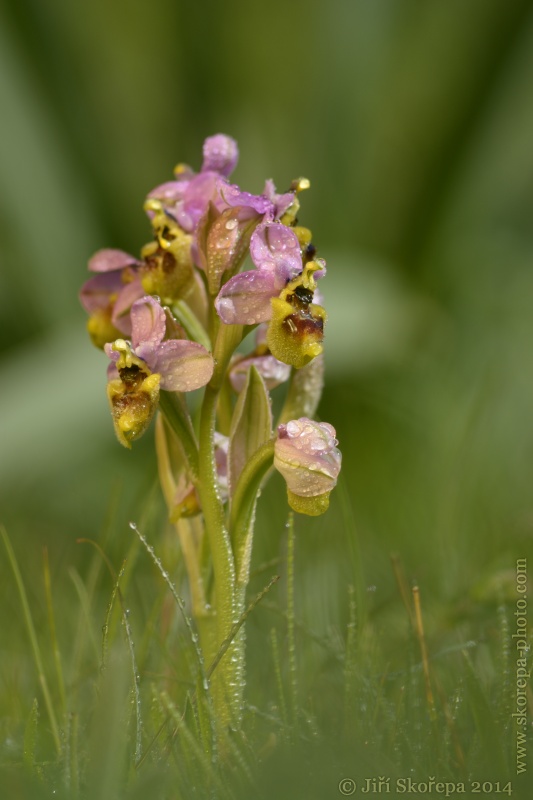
[33, 639]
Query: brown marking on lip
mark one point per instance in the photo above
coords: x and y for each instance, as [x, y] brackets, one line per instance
[132, 377]
[304, 324]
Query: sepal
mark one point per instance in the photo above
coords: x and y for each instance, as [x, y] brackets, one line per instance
[226, 245]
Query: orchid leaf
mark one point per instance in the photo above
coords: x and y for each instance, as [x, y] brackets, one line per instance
[251, 425]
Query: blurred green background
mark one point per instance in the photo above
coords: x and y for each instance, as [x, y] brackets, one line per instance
[414, 122]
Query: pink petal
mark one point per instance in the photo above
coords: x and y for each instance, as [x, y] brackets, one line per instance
[232, 196]
[112, 372]
[281, 202]
[276, 248]
[272, 371]
[114, 355]
[95, 293]
[169, 192]
[148, 323]
[183, 365]
[200, 190]
[129, 293]
[245, 298]
[109, 260]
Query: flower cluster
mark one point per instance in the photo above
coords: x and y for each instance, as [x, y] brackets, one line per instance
[177, 319]
[170, 321]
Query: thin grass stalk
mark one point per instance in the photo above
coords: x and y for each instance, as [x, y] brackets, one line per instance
[33, 640]
[293, 670]
[279, 680]
[135, 672]
[207, 768]
[423, 649]
[86, 608]
[350, 660]
[53, 634]
[74, 765]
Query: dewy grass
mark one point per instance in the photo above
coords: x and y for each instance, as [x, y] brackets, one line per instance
[53, 633]
[30, 627]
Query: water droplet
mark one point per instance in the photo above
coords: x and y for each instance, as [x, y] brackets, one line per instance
[231, 224]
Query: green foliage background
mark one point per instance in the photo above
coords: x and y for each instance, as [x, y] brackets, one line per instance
[414, 122]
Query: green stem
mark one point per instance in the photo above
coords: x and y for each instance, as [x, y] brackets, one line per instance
[220, 547]
[227, 688]
[174, 409]
[225, 409]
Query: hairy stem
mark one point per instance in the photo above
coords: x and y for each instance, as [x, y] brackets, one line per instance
[227, 682]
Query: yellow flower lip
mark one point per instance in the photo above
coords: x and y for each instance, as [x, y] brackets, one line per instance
[132, 404]
[296, 329]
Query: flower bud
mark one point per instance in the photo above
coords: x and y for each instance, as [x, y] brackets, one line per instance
[307, 456]
[221, 154]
